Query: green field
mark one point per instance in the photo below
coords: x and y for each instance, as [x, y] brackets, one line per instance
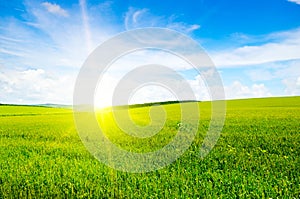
[256, 156]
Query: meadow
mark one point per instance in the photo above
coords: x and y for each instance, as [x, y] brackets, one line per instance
[256, 156]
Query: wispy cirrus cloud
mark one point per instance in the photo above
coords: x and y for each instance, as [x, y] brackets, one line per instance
[284, 46]
[56, 40]
[55, 9]
[275, 70]
[268, 65]
[40, 64]
[140, 18]
[48, 41]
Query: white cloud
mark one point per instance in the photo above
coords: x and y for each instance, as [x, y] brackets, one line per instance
[200, 90]
[146, 57]
[298, 82]
[294, 1]
[59, 47]
[193, 27]
[35, 86]
[260, 74]
[122, 66]
[140, 18]
[86, 27]
[292, 86]
[276, 70]
[152, 91]
[9, 52]
[44, 43]
[55, 9]
[137, 14]
[182, 27]
[237, 91]
[285, 46]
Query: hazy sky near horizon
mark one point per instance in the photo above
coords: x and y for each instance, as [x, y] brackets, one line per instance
[255, 44]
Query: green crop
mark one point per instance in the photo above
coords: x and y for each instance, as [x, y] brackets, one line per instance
[256, 156]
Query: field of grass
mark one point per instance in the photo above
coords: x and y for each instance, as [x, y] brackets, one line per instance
[256, 156]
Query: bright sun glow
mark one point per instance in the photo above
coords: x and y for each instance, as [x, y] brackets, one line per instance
[115, 72]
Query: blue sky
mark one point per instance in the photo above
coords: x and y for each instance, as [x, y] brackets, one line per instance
[254, 44]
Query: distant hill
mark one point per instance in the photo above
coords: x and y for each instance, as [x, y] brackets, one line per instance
[54, 105]
[40, 105]
[154, 104]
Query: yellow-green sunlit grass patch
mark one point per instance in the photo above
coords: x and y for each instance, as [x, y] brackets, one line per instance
[256, 156]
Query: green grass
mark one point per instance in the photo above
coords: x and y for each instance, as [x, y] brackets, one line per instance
[257, 155]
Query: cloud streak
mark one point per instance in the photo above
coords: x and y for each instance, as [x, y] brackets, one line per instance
[285, 47]
[294, 1]
[86, 26]
[50, 50]
[40, 65]
[48, 41]
[141, 18]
